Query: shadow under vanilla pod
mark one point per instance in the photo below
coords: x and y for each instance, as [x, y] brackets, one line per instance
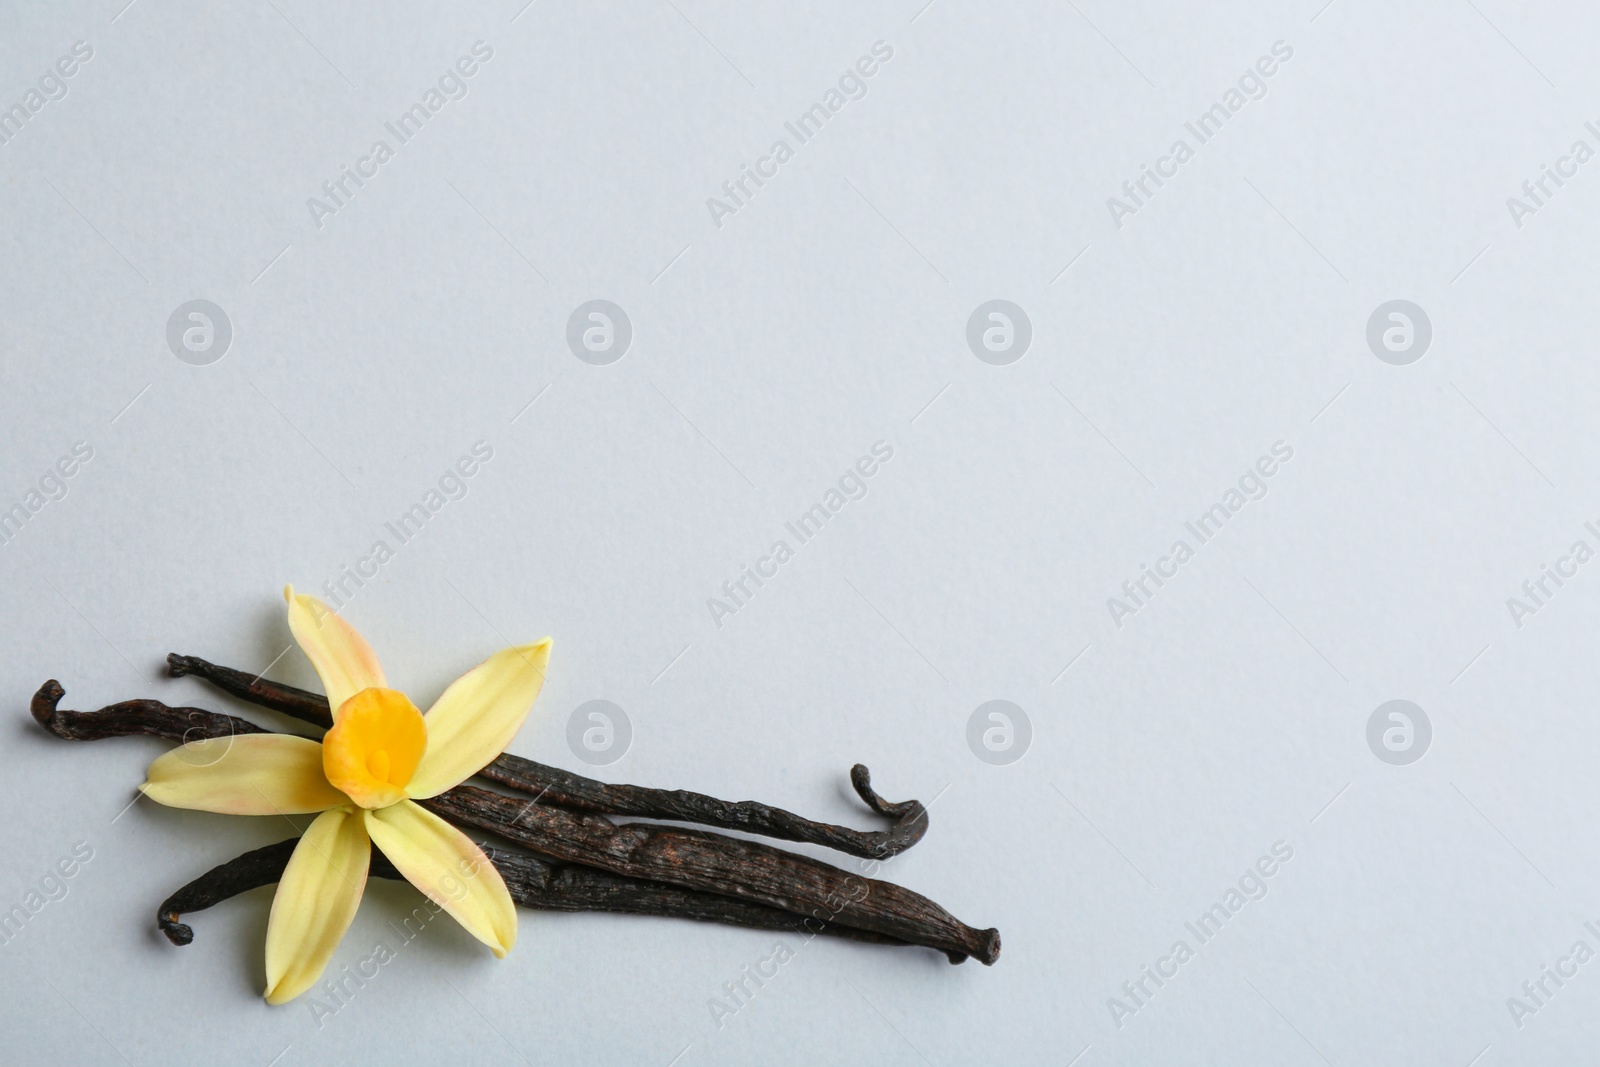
[389, 786]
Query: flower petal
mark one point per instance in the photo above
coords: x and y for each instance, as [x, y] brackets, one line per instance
[342, 657]
[444, 863]
[247, 774]
[316, 899]
[477, 717]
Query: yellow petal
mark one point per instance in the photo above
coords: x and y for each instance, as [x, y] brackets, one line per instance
[316, 899]
[247, 774]
[477, 717]
[444, 863]
[342, 657]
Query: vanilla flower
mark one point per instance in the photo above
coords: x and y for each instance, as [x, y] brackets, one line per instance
[363, 779]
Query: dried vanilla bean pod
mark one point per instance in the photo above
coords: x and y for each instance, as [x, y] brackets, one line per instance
[150, 718]
[297, 703]
[552, 785]
[565, 789]
[532, 883]
[252, 870]
[696, 859]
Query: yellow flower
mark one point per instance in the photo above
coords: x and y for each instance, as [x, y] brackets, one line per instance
[381, 756]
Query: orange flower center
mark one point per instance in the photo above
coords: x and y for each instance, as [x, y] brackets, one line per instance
[377, 740]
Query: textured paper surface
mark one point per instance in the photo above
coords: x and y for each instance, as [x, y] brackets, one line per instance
[1370, 508]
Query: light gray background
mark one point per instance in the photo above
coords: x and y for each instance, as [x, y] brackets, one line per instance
[768, 354]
